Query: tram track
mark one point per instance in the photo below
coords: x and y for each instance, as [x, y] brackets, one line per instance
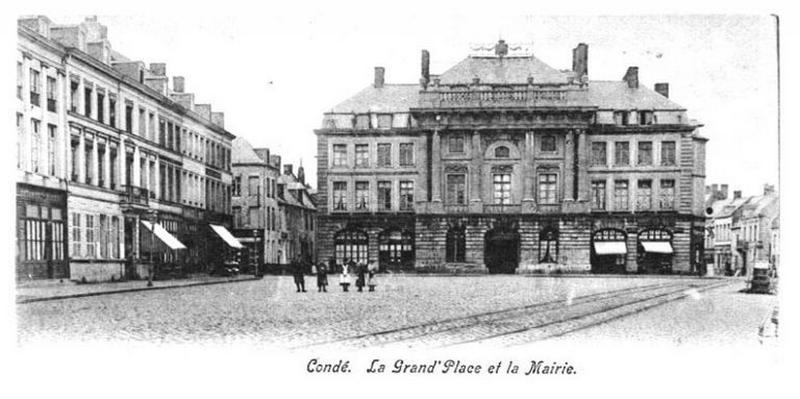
[478, 326]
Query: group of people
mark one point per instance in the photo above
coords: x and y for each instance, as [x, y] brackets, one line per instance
[365, 274]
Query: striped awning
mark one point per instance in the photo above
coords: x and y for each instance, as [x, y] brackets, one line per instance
[657, 247]
[610, 248]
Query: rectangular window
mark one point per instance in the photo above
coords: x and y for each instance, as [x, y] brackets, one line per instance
[36, 144]
[384, 121]
[339, 155]
[645, 117]
[142, 122]
[253, 186]
[599, 194]
[51, 94]
[252, 216]
[100, 111]
[90, 237]
[407, 154]
[666, 198]
[362, 121]
[384, 195]
[114, 237]
[237, 216]
[104, 233]
[599, 153]
[362, 155]
[621, 153]
[51, 149]
[502, 188]
[19, 80]
[384, 155]
[644, 195]
[548, 143]
[668, 153]
[456, 143]
[547, 188]
[36, 87]
[362, 195]
[340, 196]
[73, 95]
[162, 132]
[406, 195]
[456, 189]
[87, 101]
[621, 117]
[620, 195]
[644, 155]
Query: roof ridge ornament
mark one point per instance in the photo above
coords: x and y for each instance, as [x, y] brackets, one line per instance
[501, 49]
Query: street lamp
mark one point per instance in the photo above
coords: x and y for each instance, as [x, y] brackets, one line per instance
[256, 247]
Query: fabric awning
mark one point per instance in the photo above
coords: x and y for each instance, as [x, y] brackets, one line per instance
[226, 236]
[163, 235]
[610, 248]
[657, 247]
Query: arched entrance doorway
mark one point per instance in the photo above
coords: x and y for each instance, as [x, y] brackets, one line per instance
[654, 251]
[608, 251]
[351, 244]
[501, 250]
[395, 250]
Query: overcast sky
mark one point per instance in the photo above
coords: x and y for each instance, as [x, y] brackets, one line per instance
[275, 75]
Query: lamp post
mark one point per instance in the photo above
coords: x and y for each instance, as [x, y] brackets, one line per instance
[258, 257]
[153, 220]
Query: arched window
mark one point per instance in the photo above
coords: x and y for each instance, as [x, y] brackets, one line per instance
[548, 245]
[395, 249]
[351, 244]
[456, 244]
[501, 152]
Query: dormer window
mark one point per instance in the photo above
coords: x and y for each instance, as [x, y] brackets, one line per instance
[362, 121]
[621, 117]
[646, 117]
[501, 152]
[384, 121]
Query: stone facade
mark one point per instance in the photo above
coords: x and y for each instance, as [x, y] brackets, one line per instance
[122, 148]
[504, 164]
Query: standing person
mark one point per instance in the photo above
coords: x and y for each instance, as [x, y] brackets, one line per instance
[344, 278]
[322, 277]
[361, 279]
[372, 269]
[299, 274]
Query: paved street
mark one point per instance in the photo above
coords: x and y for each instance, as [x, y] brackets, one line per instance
[409, 311]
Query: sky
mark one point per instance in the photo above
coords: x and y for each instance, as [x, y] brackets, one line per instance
[274, 75]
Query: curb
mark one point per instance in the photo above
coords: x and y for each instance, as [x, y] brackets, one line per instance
[128, 290]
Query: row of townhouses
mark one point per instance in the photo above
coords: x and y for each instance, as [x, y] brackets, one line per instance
[741, 231]
[273, 213]
[504, 164]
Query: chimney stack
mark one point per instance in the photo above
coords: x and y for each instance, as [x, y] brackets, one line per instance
[662, 88]
[301, 174]
[737, 194]
[580, 61]
[287, 169]
[379, 75]
[218, 118]
[178, 84]
[769, 189]
[426, 69]
[632, 77]
[204, 110]
[723, 191]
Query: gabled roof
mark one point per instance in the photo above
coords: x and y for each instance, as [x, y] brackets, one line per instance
[607, 94]
[757, 205]
[242, 152]
[390, 98]
[502, 70]
[727, 207]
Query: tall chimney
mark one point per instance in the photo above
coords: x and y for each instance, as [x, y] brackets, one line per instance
[158, 68]
[632, 77]
[580, 61]
[287, 169]
[301, 174]
[379, 74]
[769, 189]
[723, 191]
[737, 194]
[426, 69]
[178, 84]
[218, 118]
[662, 88]
[204, 110]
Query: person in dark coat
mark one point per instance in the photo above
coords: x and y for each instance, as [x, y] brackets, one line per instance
[372, 268]
[322, 277]
[362, 274]
[299, 274]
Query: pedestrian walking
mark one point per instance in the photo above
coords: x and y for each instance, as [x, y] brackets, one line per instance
[372, 270]
[299, 274]
[361, 276]
[344, 278]
[322, 277]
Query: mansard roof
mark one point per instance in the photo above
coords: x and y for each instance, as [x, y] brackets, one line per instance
[242, 152]
[608, 94]
[390, 98]
[502, 70]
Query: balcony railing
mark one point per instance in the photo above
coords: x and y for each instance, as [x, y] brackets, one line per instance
[135, 196]
[520, 97]
[502, 208]
[548, 208]
[454, 208]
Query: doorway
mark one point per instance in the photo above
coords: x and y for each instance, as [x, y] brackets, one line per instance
[501, 251]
